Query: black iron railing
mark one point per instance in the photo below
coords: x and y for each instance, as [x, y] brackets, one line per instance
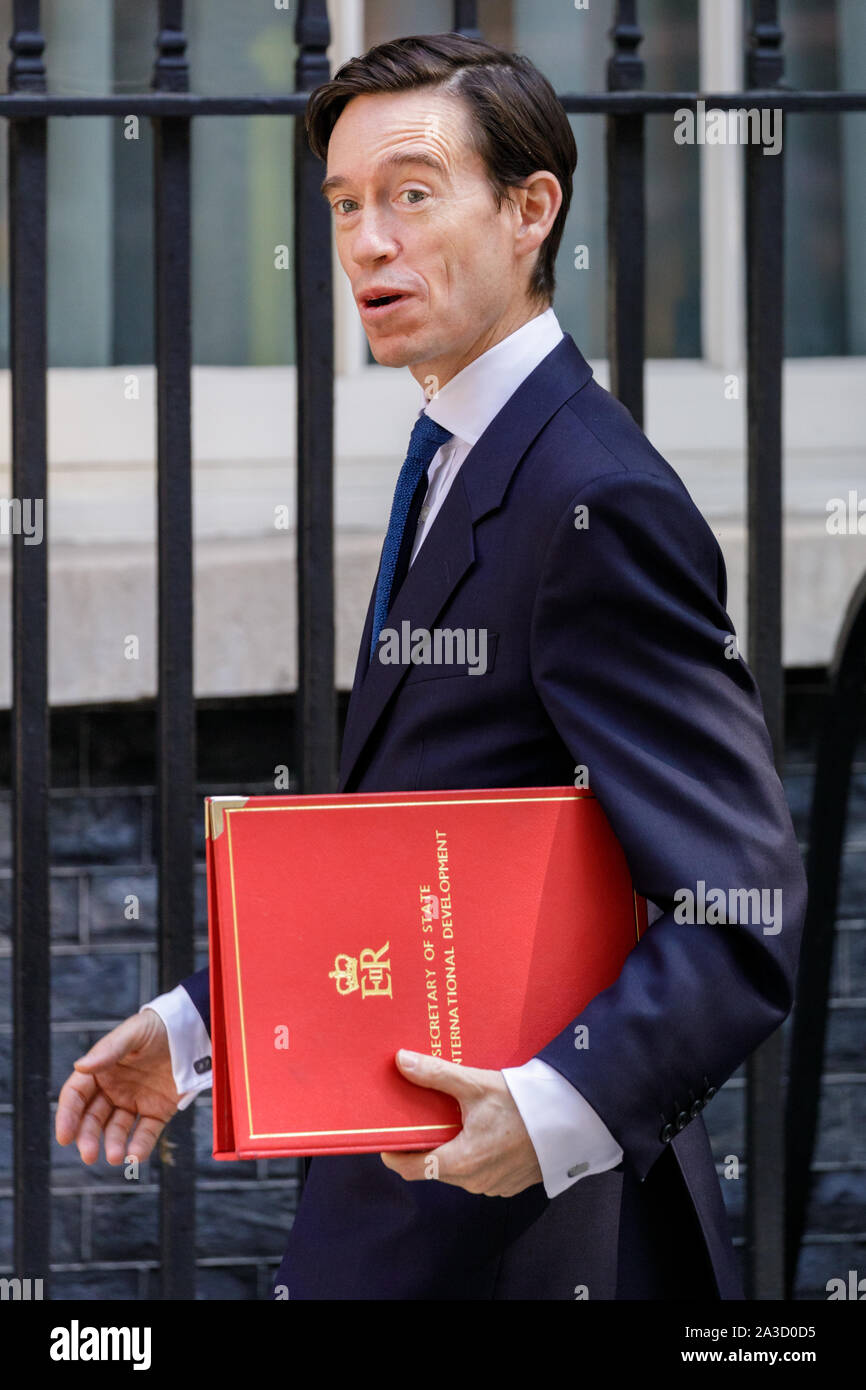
[176, 759]
[172, 108]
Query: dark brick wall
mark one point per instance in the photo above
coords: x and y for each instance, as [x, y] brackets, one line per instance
[105, 1227]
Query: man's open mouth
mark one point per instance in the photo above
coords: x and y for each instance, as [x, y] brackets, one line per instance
[382, 300]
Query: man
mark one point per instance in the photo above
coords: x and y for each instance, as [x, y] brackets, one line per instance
[532, 508]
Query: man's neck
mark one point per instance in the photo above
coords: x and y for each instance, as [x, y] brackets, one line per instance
[443, 370]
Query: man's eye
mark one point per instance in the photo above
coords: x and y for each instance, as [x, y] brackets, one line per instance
[411, 191]
[339, 203]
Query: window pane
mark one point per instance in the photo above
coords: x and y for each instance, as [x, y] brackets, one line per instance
[100, 187]
[825, 191]
[243, 306]
[852, 76]
[815, 318]
[572, 48]
[78, 56]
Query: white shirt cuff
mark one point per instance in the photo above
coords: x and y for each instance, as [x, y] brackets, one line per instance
[188, 1043]
[570, 1140]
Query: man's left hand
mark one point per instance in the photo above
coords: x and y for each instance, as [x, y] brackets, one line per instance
[493, 1154]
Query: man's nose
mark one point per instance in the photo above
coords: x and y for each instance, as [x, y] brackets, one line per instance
[373, 236]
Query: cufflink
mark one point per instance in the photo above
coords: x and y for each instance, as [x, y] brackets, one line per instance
[202, 1064]
[578, 1168]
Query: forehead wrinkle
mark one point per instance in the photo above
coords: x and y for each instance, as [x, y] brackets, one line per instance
[440, 130]
[435, 129]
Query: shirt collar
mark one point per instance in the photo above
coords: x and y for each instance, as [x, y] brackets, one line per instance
[467, 404]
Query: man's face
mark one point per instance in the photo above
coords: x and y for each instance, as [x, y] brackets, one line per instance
[431, 235]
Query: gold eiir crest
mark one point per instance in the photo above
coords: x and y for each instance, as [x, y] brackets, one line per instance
[367, 971]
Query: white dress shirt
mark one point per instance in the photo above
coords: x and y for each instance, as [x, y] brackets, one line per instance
[570, 1140]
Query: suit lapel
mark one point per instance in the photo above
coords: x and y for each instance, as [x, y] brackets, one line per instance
[449, 550]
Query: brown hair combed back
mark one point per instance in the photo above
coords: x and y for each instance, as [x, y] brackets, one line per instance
[518, 127]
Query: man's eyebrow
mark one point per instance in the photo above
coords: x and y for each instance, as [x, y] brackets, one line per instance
[398, 158]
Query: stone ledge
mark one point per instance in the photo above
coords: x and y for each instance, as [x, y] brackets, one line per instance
[102, 596]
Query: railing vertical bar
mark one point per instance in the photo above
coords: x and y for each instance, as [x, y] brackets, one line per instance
[176, 702]
[466, 19]
[31, 959]
[626, 218]
[317, 706]
[765, 1153]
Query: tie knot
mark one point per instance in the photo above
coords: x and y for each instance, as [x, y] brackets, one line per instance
[427, 437]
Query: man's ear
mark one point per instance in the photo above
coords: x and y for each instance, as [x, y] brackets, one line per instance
[538, 200]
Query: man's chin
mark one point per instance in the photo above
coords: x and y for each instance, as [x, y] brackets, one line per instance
[395, 351]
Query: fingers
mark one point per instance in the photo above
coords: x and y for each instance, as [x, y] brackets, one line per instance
[412, 1166]
[79, 1089]
[91, 1127]
[463, 1083]
[99, 1117]
[75, 1096]
[146, 1134]
[116, 1135]
[447, 1163]
[85, 1113]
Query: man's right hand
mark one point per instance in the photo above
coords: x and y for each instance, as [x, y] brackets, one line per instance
[126, 1075]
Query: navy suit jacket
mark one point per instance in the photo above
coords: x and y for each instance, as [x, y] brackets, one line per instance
[609, 646]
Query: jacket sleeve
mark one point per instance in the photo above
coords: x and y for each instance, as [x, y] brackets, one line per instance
[634, 657]
[197, 987]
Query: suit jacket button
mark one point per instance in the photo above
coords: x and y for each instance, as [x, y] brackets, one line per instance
[695, 1108]
[709, 1093]
[667, 1134]
[682, 1120]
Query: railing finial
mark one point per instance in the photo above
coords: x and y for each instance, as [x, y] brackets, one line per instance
[312, 37]
[766, 61]
[625, 69]
[171, 68]
[26, 71]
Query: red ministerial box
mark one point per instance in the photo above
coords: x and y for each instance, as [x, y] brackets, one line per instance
[473, 925]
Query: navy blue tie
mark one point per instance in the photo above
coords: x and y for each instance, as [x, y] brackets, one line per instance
[427, 438]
